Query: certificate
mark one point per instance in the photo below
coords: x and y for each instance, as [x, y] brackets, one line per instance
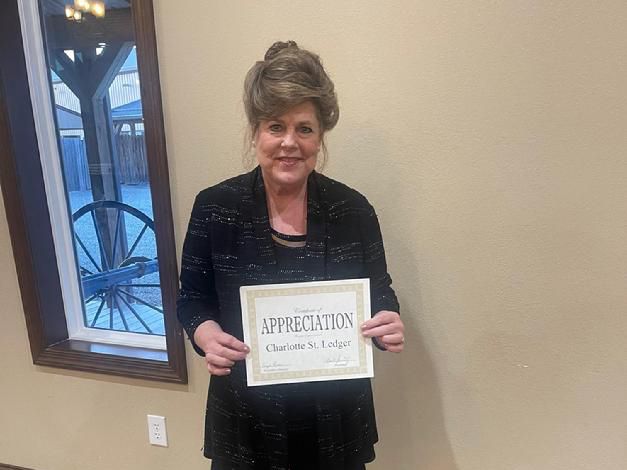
[306, 331]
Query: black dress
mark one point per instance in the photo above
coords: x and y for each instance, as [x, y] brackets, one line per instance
[300, 405]
[229, 243]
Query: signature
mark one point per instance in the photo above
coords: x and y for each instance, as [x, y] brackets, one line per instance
[338, 361]
[276, 366]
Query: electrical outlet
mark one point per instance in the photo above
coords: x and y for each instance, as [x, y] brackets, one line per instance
[157, 434]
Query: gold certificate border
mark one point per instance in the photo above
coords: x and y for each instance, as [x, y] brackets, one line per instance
[259, 376]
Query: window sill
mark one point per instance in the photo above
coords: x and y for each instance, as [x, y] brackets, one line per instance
[144, 363]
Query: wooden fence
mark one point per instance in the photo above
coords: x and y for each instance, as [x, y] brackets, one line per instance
[75, 165]
[132, 164]
[133, 167]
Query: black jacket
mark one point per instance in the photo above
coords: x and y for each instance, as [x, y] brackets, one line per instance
[229, 244]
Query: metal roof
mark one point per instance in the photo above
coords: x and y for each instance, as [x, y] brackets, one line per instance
[68, 119]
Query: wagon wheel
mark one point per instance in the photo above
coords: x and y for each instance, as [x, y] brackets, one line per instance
[110, 280]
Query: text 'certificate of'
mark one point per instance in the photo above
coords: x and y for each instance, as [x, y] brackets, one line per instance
[306, 331]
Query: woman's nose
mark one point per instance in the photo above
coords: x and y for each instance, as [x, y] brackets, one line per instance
[289, 140]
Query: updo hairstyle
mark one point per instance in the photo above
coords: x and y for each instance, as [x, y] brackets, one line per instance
[286, 77]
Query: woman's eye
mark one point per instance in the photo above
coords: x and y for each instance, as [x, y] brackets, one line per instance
[275, 127]
[306, 130]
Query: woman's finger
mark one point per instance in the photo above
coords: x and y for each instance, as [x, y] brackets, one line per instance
[228, 353]
[395, 348]
[395, 338]
[383, 330]
[218, 361]
[218, 370]
[226, 346]
[231, 342]
[381, 318]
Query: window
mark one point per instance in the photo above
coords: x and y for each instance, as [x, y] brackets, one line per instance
[85, 183]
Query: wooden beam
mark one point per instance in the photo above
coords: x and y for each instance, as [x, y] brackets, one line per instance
[108, 65]
[66, 70]
[90, 75]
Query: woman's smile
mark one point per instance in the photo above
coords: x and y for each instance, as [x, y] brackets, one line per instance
[289, 161]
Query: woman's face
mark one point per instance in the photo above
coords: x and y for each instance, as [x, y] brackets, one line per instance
[287, 147]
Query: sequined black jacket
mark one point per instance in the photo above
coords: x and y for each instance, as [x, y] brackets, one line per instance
[229, 244]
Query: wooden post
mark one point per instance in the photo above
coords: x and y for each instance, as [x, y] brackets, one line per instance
[89, 76]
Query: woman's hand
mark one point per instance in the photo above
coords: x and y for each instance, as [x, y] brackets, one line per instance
[221, 349]
[388, 330]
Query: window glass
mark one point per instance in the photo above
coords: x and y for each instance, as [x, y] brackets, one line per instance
[95, 89]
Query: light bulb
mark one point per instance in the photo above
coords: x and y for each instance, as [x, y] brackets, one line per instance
[69, 12]
[98, 9]
[81, 5]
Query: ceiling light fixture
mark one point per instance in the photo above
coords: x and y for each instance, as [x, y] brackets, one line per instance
[76, 12]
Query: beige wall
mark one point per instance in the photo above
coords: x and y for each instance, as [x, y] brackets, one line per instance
[491, 138]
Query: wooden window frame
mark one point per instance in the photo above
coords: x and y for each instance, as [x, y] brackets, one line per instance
[28, 218]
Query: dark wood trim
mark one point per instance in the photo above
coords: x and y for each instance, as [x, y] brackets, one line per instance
[141, 363]
[4, 466]
[23, 192]
[29, 222]
[148, 65]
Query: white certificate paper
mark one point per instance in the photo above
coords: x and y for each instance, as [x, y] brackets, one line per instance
[306, 331]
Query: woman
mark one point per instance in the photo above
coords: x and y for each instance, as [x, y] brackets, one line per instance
[283, 222]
